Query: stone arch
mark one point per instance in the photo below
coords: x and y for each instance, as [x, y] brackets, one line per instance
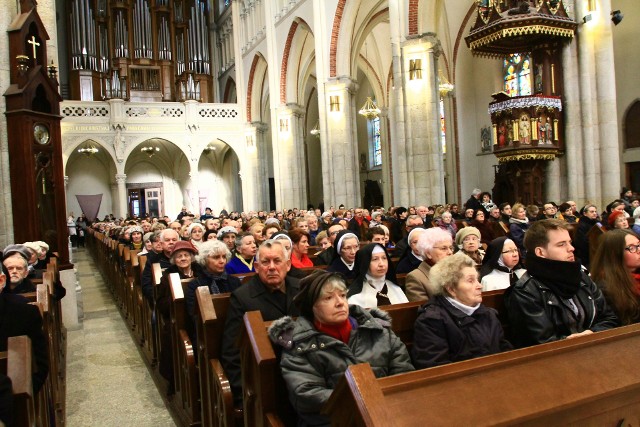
[230, 93]
[219, 182]
[299, 52]
[256, 85]
[70, 147]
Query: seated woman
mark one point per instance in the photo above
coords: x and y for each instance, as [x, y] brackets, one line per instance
[328, 337]
[182, 260]
[484, 226]
[501, 266]
[135, 234]
[454, 325]
[246, 250]
[347, 245]
[614, 268]
[434, 244]
[468, 242]
[375, 284]
[196, 234]
[447, 223]
[618, 220]
[300, 248]
[212, 257]
[518, 225]
[468, 216]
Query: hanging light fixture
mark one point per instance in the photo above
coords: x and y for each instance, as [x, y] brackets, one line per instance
[316, 129]
[369, 110]
[88, 150]
[150, 150]
[208, 149]
[444, 86]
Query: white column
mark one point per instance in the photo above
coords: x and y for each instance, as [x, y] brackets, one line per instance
[386, 157]
[340, 171]
[121, 181]
[253, 171]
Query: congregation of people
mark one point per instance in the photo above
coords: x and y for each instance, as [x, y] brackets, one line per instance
[323, 276]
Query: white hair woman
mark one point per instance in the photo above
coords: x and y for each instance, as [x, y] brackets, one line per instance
[196, 232]
[328, 337]
[434, 244]
[454, 325]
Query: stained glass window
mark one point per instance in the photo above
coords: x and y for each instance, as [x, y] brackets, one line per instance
[517, 74]
[377, 148]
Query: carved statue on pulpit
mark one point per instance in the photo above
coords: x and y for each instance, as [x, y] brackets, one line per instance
[525, 129]
[538, 78]
[545, 131]
[502, 135]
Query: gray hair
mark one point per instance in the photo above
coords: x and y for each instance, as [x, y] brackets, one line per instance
[239, 238]
[430, 237]
[448, 272]
[476, 191]
[209, 248]
[271, 243]
[172, 260]
[164, 232]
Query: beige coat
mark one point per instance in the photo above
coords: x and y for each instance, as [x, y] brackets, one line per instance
[418, 286]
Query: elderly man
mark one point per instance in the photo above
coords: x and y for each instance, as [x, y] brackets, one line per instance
[413, 258]
[325, 257]
[168, 239]
[271, 292]
[358, 225]
[313, 227]
[474, 201]
[588, 219]
[556, 298]
[16, 264]
[413, 221]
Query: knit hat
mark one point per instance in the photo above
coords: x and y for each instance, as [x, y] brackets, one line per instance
[194, 225]
[272, 221]
[226, 230]
[464, 232]
[147, 236]
[135, 229]
[310, 289]
[613, 216]
[183, 245]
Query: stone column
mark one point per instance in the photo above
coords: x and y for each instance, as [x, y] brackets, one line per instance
[121, 181]
[340, 171]
[193, 190]
[288, 157]
[253, 168]
[386, 157]
[419, 157]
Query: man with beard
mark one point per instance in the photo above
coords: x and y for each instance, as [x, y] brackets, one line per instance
[16, 264]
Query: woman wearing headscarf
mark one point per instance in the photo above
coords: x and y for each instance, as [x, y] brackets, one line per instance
[329, 336]
[501, 266]
[468, 242]
[344, 259]
[374, 285]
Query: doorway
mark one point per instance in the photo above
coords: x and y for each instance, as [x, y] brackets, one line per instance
[145, 200]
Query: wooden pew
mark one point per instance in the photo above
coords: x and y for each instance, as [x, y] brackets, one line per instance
[52, 322]
[215, 392]
[607, 393]
[187, 397]
[146, 319]
[499, 229]
[156, 276]
[16, 363]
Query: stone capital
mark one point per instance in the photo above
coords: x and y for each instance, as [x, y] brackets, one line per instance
[121, 178]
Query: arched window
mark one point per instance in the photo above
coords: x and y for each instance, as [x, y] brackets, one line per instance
[517, 74]
[376, 148]
[632, 126]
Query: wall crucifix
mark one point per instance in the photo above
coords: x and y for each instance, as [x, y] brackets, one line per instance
[34, 44]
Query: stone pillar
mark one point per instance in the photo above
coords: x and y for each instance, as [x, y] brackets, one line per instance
[419, 156]
[340, 170]
[386, 156]
[193, 190]
[121, 180]
[288, 158]
[253, 168]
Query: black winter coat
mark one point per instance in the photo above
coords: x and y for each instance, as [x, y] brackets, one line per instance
[444, 334]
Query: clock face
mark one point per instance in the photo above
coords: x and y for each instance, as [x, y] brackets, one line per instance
[41, 133]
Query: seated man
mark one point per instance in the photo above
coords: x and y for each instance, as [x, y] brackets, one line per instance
[555, 299]
[17, 317]
[271, 292]
[16, 264]
[168, 239]
[413, 221]
[376, 235]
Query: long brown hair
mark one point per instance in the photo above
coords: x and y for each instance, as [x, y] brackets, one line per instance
[609, 272]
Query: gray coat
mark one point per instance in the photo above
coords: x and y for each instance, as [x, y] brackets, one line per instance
[313, 362]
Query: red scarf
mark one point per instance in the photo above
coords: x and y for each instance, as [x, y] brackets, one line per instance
[339, 332]
[636, 278]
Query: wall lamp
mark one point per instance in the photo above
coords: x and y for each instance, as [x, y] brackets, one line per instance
[284, 125]
[334, 104]
[415, 69]
[616, 17]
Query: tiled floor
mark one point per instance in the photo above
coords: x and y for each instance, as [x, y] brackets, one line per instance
[108, 383]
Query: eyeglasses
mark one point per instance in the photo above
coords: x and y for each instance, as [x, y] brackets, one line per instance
[350, 248]
[444, 248]
[334, 233]
[633, 248]
[510, 251]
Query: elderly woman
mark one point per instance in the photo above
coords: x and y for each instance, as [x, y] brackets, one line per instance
[196, 234]
[246, 250]
[227, 235]
[375, 284]
[182, 260]
[468, 242]
[212, 257]
[454, 325]
[328, 337]
[501, 265]
[300, 240]
[618, 220]
[447, 223]
[614, 268]
[347, 245]
[518, 225]
[434, 244]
